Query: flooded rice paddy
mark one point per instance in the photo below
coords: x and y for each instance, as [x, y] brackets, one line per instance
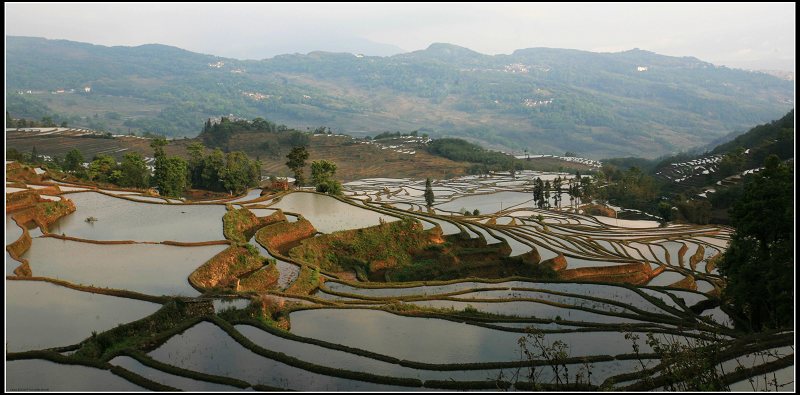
[313, 331]
[120, 219]
[43, 315]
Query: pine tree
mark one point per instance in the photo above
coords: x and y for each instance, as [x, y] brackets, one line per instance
[428, 192]
[547, 194]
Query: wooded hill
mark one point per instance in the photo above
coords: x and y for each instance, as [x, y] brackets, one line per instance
[546, 100]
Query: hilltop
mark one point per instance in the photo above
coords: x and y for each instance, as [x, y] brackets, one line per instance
[389, 155]
[705, 185]
[545, 100]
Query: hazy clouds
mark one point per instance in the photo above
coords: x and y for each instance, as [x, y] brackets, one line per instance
[738, 35]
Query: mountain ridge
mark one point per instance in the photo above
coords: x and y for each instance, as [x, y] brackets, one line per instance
[544, 99]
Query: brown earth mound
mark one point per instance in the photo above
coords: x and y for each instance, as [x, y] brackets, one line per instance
[687, 283]
[281, 237]
[239, 225]
[225, 268]
[596, 209]
[557, 263]
[632, 273]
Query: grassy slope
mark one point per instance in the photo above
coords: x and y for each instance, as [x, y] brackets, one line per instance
[354, 161]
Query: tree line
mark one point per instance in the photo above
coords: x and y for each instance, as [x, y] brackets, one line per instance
[576, 188]
[231, 172]
[323, 171]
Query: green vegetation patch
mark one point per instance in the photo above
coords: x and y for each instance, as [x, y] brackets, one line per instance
[374, 249]
[260, 280]
[307, 281]
[239, 225]
[147, 333]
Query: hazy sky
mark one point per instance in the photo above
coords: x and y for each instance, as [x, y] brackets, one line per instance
[758, 36]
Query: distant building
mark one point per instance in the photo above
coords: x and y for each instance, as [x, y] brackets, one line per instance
[87, 89]
[641, 68]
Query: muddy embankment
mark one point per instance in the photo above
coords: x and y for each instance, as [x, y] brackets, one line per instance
[239, 225]
[26, 207]
[281, 237]
[632, 273]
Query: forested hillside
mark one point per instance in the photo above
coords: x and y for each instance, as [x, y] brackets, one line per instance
[541, 99]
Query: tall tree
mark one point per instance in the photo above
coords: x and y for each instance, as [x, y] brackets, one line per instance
[102, 169]
[159, 171]
[428, 192]
[665, 212]
[175, 177]
[213, 164]
[73, 161]
[557, 187]
[571, 192]
[547, 194]
[322, 176]
[538, 192]
[586, 189]
[239, 172]
[296, 162]
[134, 171]
[196, 155]
[759, 262]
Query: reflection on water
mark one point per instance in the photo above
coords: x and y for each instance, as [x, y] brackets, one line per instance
[489, 203]
[180, 382]
[120, 219]
[207, 348]
[42, 375]
[328, 214]
[153, 269]
[434, 340]
[43, 315]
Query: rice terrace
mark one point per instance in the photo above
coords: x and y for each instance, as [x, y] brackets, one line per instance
[363, 292]
[386, 197]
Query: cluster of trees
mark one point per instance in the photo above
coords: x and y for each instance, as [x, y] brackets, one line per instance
[463, 151]
[26, 157]
[483, 160]
[322, 176]
[759, 263]
[171, 173]
[233, 172]
[218, 134]
[323, 172]
[45, 122]
[635, 189]
[679, 201]
[131, 172]
[576, 188]
[322, 130]
[631, 188]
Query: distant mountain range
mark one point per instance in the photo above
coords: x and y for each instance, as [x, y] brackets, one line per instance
[540, 99]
